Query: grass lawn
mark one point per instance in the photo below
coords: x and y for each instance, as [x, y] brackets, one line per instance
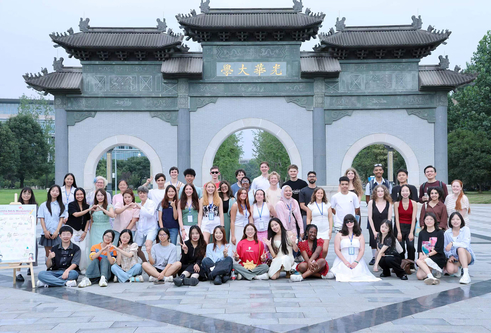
[482, 198]
[7, 196]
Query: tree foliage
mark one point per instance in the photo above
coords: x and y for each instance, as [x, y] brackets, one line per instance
[135, 170]
[268, 148]
[228, 156]
[9, 153]
[371, 155]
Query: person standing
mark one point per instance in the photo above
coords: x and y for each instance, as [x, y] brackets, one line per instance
[405, 215]
[100, 216]
[379, 209]
[261, 182]
[458, 201]
[210, 211]
[240, 216]
[320, 214]
[78, 219]
[288, 212]
[52, 215]
[68, 189]
[344, 203]
[435, 206]
[402, 179]
[273, 192]
[295, 183]
[430, 173]
[100, 184]
[190, 175]
[168, 213]
[147, 228]
[305, 196]
[174, 173]
[188, 210]
[239, 174]
[378, 171]
[215, 175]
[156, 194]
[118, 198]
[228, 200]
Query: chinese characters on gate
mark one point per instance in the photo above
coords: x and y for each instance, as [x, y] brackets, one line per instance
[251, 69]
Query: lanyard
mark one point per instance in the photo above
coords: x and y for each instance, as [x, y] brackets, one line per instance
[351, 239]
[261, 211]
[67, 194]
[189, 207]
[322, 206]
[245, 210]
[289, 212]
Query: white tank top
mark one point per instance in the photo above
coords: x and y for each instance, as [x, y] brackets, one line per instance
[261, 217]
[241, 219]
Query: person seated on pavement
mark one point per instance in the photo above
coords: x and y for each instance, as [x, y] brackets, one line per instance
[431, 241]
[281, 244]
[251, 256]
[62, 262]
[103, 256]
[458, 247]
[314, 264]
[387, 256]
[193, 252]
[218, 262]
[127, 267]
[162, 262]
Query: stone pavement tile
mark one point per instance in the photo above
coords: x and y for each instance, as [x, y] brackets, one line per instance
[252, 300]
[27, 328]
[280, 327]
[388, 300]
[470, 321]
[45, 314]
[420, 321]
[250, 309]
[116, 330]
[174, 329]
[301, 321]
[158, 301]
[140, 323]
[57, 320]
[103, 315]
[18, 321]
[101, 325]
[206, 312]
[8, 316]
[300, 309]
[458, 329]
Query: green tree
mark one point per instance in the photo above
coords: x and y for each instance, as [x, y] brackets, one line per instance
[34, 150]
[251, 168]
[371, 155]
[227, 157]
[268, 148]
[9, 153]
[469, 157]
[134, 169]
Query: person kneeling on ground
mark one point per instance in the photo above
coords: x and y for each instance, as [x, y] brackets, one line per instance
[62, 263]
[193, 252]
[431, 251]
[311, 250]
[388, 257]
[458, 247]
[127, 266]
[102, 257]
[218, 257]
[163, 263]
[251, 255]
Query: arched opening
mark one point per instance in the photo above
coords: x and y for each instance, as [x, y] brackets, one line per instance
[384, 139]
[117, 141]
[246, 149]
[389, 157]
[250, 123]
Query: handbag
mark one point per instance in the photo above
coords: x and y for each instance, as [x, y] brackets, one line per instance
[406, 266]
[399, 248]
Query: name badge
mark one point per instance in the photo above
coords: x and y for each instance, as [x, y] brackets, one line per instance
[211, 216]
[190, 218]
[351, 250]
[261, 224]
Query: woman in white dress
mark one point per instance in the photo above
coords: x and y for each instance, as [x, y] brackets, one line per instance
[281, 244]
[261, 213]
[240, 216]
[349, 244]
[320, 214]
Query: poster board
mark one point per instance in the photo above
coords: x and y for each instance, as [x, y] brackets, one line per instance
[17, 233]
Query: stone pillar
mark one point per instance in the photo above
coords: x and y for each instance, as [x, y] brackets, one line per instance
[319, 132]
[183, 128]
[61, 140]
[440, 135]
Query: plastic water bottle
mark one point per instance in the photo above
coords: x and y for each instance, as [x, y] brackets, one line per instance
[233, 274]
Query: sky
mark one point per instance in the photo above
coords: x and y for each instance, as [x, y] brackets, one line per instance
[25, 26]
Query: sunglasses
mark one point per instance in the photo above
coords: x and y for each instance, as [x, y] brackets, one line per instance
[350, 222]
[377, 165]
[215, 172]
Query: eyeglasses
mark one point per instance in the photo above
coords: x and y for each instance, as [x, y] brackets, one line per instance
[377, 165]
[245, 182]
[347, 222]
[215, 172]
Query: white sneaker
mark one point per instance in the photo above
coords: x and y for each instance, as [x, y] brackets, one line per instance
[264, 276]
[465, 279]
[152, 279]
[103, 282]
[239, 276]
[138, 278]
[168, 279]
[71, 283]
[296, 278]
[329, 275]
[437, 274]
[431, 281]
[41, 284]
[115, 279]
[84, 283]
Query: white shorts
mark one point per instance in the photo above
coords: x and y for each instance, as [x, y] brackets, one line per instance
[141, 238]
[208, 226]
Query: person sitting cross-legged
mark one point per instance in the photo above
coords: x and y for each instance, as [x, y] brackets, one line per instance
[162, 262]
[62, 262]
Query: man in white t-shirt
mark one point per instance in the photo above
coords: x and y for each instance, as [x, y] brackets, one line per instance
[261, 182]
[344, 203]
[157, 194]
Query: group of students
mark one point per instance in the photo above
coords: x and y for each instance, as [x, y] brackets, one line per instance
[257, 232]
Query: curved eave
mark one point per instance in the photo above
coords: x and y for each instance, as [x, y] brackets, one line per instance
[183, 67]
[443, 79]
[57, 82]
[318, 65]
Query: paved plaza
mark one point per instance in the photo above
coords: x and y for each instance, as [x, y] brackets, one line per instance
[390, 305]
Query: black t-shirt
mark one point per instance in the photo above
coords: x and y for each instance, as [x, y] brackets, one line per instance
[77, 223]
[305, 197]
[391, 251]
[412, 190]
[225, 205]
[296, 187]
[428, 241]
[64, 258]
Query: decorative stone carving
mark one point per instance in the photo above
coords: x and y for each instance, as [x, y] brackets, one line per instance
[122, 83]
[168, 117]
[340, 25]
[297, 6]
[146, 83]
[332, 116]
[199, 102]
[417, 22]
[58, 64]
[205, 6]
[74, 117]
[457, 68]
[302, 101]
[444, 62]
[426, 114]
[332, 87]
[84, 25]
[161, 25]
[60, 102]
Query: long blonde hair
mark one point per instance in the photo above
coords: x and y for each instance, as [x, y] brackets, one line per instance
[216, 197]
[387, 196]
[356, 181]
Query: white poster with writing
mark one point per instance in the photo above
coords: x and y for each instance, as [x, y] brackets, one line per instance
[17, 233]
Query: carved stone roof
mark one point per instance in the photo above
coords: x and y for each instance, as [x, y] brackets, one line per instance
[64, 80]
[281, 24]
[186, 65]
[396, 41]
[314, 64]
[120, 43]
[434, 77]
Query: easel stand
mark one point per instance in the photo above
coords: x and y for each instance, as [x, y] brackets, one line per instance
[15, 265]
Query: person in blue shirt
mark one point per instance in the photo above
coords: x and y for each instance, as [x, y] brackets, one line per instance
[52, 215]
[219, 256]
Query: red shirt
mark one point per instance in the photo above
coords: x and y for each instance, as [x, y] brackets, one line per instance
[405, 216]
[250, 251]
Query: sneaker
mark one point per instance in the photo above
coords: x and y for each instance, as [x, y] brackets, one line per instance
[19, 278]
[115, 279]
[29, 271]
[152, 279]
[138, 278]
[264, 276]
[239, 276]
[71, 283]
[296, 278]
[403, 278]
[465, 279]
[372, 262]
[41, 284]
[169, 279]
[103, 282]
[225, 278]
[190, 282]
[178, 281]
[431, 281]
[382, 275]
[437, 274]
[84, 283]
[329, 275]
[217, 281]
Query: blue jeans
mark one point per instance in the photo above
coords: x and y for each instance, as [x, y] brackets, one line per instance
[98, 268]
[125, 276]
[173, 235]
[53, 278]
